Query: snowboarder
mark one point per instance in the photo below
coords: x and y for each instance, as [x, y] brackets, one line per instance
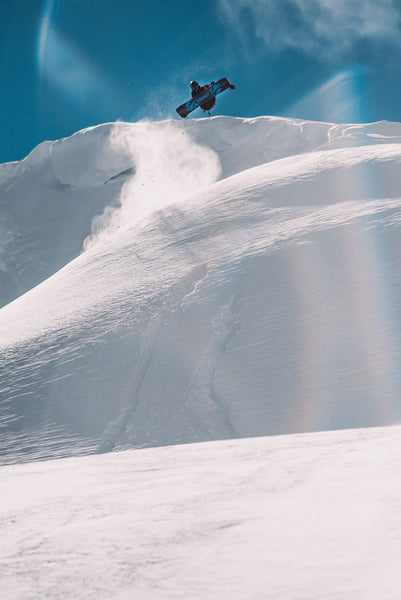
[204, 96]
[197, 90]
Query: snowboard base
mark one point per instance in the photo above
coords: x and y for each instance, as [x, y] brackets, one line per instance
[213, 90]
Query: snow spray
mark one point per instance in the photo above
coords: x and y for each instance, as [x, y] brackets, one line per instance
[168, 167]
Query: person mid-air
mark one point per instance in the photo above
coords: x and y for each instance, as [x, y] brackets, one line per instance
[204, 96]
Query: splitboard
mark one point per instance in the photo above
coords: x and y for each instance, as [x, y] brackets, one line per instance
[212, 90]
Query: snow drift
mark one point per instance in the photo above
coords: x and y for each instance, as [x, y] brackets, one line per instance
[185, 281]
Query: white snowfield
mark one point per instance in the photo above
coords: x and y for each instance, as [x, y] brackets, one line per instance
[169, 283]
[304, 516]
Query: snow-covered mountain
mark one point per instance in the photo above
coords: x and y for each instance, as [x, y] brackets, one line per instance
[187, 281]
[175, 282]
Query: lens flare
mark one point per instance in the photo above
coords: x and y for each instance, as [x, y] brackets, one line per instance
[341, 284]
[44, 32]
[65, 67]
[348, 318]
[339, 100]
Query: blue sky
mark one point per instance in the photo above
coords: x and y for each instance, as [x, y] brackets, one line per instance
[69, 64]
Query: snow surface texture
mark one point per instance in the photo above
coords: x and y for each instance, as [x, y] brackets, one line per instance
[306, 516]
[188, 281]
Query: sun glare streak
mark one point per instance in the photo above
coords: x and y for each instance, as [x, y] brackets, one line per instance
[339, 100]
[347, 349]
[63, 65]
[44, 32]
[351, 351]
[69, 71]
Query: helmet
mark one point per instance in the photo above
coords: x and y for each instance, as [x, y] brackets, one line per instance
[194, 84]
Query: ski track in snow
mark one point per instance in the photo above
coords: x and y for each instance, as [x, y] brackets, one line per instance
[169, 304]
[209, 415]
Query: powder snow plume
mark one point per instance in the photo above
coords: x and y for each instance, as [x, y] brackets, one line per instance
[168, 167]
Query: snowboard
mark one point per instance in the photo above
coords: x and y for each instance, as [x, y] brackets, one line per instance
[213, 89]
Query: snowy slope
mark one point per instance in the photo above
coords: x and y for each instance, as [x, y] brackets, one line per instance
[312, 516]
[239, 278]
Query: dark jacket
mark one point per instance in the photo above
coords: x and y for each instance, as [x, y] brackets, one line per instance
[199, 90]
[209, 103]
